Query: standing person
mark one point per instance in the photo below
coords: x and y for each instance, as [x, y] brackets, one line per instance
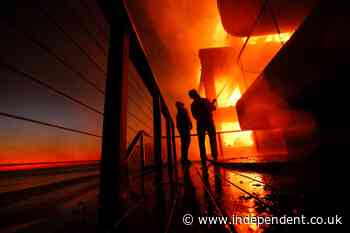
[202, 110]
[184, 126]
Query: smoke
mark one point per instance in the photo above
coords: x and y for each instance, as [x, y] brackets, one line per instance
[172, 33]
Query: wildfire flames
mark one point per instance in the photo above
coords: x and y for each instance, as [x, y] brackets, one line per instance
[229, 98]
[237, 139]
[282, 37]
[226, 98]
[227, 90]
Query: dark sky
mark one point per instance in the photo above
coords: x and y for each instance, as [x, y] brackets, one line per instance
[34, 46]
[172, 33]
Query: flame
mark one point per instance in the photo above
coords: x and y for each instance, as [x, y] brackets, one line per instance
[271, 38]
[236, 139]
[225, 97]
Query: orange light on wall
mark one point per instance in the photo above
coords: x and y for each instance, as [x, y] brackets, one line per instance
[271, 38]
[220, 35]
[236, 139]
[227, 98]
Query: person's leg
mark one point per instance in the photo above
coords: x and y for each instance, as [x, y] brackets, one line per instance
[183, 148]
[212, 139]
[187, 145]
[201, 142]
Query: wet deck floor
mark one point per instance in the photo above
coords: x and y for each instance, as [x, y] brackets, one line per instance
[160, 203]
[214, 190]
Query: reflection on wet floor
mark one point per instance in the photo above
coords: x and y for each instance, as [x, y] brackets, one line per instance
[243, 196]
[216, 191]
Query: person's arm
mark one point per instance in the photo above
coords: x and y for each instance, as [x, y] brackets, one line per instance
[194, 112]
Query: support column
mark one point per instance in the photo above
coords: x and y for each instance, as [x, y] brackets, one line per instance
[219, 135]
[169, 149]
[157, 136]
[142, 160]
[114, 122]
[173, 139]
[157, 128]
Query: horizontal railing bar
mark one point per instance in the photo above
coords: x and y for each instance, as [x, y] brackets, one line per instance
[46, 86]
[48, 124]
[68, 35]
[61, 60]
[218, 132]
[93, 15]
[59, 162]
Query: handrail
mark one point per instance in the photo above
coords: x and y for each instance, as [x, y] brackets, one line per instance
[218, 133]
[133, 143]
[126, 47]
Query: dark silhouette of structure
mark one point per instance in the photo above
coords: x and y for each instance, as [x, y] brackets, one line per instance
[184, 126]
[202, 110]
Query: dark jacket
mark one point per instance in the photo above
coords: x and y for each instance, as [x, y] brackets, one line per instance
[202, 110]
[183, 121]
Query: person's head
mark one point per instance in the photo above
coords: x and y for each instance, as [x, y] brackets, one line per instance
[194, 94]
[179, 105]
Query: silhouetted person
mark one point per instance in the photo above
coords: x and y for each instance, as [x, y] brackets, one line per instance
[202, 110]
[184, 126]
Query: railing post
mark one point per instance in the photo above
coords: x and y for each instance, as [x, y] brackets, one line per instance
[157, 128]
[114, 122]
[169, 149]
[220, 145]
[142, 159]
[142, 152]
[157, 136]
[173, 139]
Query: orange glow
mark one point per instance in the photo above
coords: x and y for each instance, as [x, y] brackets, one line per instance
[220, 35]
[236, 139]
[228, 84]
[247, 205]
[225, 97]
[272, 38]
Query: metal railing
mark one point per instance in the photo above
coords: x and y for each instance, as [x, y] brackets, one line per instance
[242, 146]
[28, 60]
[125, 48]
